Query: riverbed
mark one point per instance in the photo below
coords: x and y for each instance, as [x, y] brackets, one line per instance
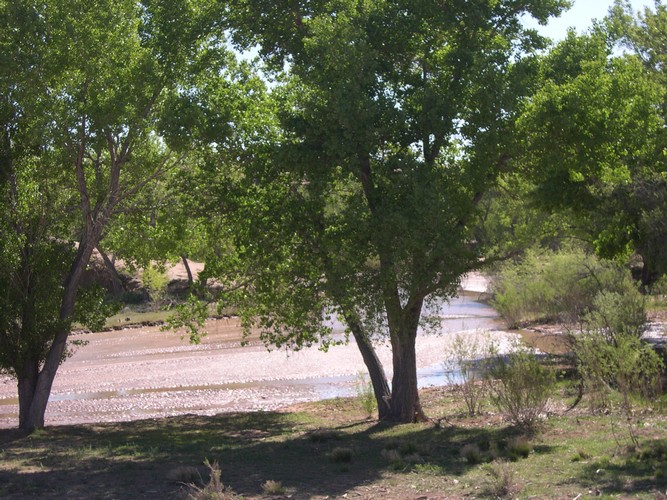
[139, 373]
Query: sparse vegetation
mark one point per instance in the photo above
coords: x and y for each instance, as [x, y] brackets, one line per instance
[467, 362]
[365, 395]
[271, 487]
[501, 480]
[521, 387]
[296, 448]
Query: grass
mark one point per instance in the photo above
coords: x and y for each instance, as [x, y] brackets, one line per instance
[304, 452]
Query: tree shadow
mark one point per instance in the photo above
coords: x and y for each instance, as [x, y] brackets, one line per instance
[135, 459]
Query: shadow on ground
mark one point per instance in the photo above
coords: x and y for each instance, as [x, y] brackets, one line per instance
[135, 459]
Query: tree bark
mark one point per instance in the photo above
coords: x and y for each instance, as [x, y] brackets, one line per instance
[375, 369]
[38, 400]
[405, 404]
[27, 381]
[187, 269]
[116, 283]
[403, 324]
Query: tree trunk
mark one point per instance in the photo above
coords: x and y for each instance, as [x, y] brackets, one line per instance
[187, 269]
[116, 283]
[41, 390]
[405, 405]
[27, 381]
[403, 324]
[375, 369]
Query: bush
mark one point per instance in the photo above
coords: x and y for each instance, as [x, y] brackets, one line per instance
[468, 356]
[271, 487]
[501, 480]
[563, 286]
[627, 366]
[214, 489]
[521, 387]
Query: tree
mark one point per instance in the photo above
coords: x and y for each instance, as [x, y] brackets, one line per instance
[594, 137]
[87, 123]
[394, 120]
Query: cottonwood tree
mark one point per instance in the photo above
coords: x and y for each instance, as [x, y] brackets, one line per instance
[594, 137]
[395, 118]
[89, 89]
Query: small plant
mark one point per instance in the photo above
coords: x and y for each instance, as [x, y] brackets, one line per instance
[365, 394]
[271, 487]
[155, 282]
[471, 453]
[466, 365]
[414, 458]
[185, 474]
[214, 490]
[323, 435]
[501, 480]
[522, 387]
[580, 455]
[341, 454]
[518, 447]
[394, 457]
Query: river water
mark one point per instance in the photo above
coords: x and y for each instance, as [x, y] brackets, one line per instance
[145, 373]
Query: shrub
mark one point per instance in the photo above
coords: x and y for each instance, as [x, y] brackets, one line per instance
[521, 387]
[471, 453]
[341, 454]
[558, 286]
[271, 487]
[365, 394]
[468, 357]
[501, 480]
[214, 490]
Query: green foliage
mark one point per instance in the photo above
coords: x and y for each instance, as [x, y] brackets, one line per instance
[155, 281]
[594, 137]
[365, 394]
[627, 366]
[467, 361]
[521, 388]
[568, 286]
